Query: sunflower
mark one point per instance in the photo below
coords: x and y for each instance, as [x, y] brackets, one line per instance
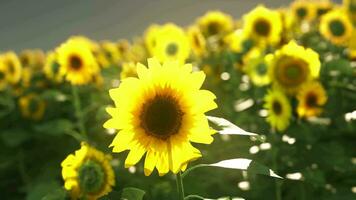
[137, 51]
[32, 58]
[336, 27]
[235, 40]
[197, 41]
[160, 113]
[123, 46]
[51, 68]
[88, 174]
[3, 72]
[310, 99]
[171, 44]
[350, 7]
[13, 67]
[322, 7]
[352, 46]
[303, 10]
[128, 70]
[108, 54]
[77, 62]
[279, 109]
[263, 25]
[32, 106]
[215, 23]
[292, 66]
[257, 67]
[150, 37]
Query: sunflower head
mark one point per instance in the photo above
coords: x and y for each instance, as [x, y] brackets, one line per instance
[108, 54]
[350, 7]
[197, 41]
[88, 174]
[3, 81]
[310, 99]
[160, 113]
[123, 47]
[215, 23]
[51, 68]
[12, 65]
[32, 106]
[336, 27]
[150, 37]
[257, 67]
[303, 10]
[128, 70]
[263, 25]
[279, 110]
[292, 66]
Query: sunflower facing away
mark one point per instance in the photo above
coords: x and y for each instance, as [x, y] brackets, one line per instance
[77, 62]
[263, 25]
[13, 67]
[279, 109]
[336, 27]
[310, 99]
[88, 174]
[32, 106]
[160, 113]
[51, 68]
[215, 23]
[292, 66]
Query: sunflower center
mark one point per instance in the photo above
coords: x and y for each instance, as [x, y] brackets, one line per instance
[312, 100]
[261, 69]
[25, 61]
[262, 27]
[337, 28]
[55, 67]
[213, 28]
[277, 107]
[161, 116]
[291, 71]
[75, 62]
[91, 177]
[11, 67]
[172, 49]
[2, 75]
[301, 13]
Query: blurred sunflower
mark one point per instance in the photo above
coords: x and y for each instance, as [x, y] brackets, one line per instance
[322, 7]
[137, 51]
[32, 106]
[13, 67]
[292, 66]
[352, 46]
[3, 72]
[336, 27]
[108, 54]
[310, 99]
[279, 109]
[150, 37]
[51, 68]
[257, 67]
[197, 41]
[171, 44]
[77, 62]
[215, 23]
[88, 174]
[128, 70]
[161, 112]
[263, 25]
[350, 7]
[303, 10]
[32, 58]
[235, 40]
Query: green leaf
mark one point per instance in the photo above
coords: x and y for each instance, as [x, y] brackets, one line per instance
[58, 194]
[131, 193]
[14, 137]
[42, 189]
[55, 127]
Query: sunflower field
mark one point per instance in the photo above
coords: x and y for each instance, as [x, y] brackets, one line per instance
[260, 107]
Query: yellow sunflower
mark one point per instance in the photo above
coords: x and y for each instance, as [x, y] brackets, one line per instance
[310, 99]
[160, 113]
[263, 25]
[235, 40]
[279, 109]
[150, 37]
[3, 72]
[137, 51]
[123, 46]
[108, 54]
[77, 62]
[197, 41]
[215, 23]
[128, 70]
[32, 106]
[336, 27]
[303, 10]
[352, 46]
[51, 68]
[33, 58]
[171, 44]
[350, 7]
[257, 67]
[88, 174]
[322, 7]
[13, 67]
[292, 66]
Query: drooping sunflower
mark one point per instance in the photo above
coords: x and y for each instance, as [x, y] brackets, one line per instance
[311, 98]
[279, 109]
[77, 62]
[160, 113]
[292, 66]
[215, 23]
[263, 25]
[32, 106]
[257, 67]
[336, 27]
[51, 68]
[128, 70]
[303, 10]
[171, 44]
[13, 67]
[88, 174]
[197, 41]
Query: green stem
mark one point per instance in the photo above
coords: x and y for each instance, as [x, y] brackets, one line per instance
[275, 157]
[78, 111]
[180, 186]
[193, 168]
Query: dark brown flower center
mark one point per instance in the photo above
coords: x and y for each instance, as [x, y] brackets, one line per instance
[75, 62]
[11, 67]
[302, 12]
[25, 60]
[311, 100]
[262, 27]
[161, 116]
[172, 49]
[277, 107]
[291, 71]
[213, 28]
[337, 28]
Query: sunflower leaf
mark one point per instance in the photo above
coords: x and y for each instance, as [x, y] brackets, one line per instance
[229, 128]
[131, 193]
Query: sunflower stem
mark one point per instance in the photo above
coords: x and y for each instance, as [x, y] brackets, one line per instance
[275, 157]
[78, 112]
[180, 186]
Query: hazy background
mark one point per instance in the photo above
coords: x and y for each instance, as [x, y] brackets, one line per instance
[46, 23]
